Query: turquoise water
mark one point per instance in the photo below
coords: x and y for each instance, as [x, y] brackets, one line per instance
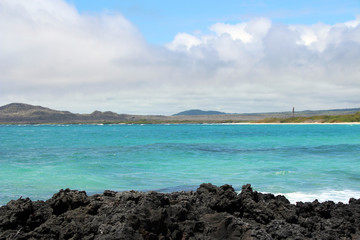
[300, 161]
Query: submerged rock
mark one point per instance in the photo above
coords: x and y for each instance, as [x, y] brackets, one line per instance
[210, 212]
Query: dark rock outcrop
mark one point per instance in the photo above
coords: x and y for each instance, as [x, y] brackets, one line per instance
[208, 213]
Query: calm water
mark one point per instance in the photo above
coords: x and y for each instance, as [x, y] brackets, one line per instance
[303, 162]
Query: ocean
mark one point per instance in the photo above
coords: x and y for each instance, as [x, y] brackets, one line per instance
[302, 162]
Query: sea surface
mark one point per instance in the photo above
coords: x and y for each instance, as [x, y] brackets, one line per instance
[302, 162]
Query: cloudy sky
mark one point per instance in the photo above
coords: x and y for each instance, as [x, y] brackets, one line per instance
[162, 57]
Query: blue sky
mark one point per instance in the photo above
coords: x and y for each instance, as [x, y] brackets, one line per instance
[163, 57]
[160, 20]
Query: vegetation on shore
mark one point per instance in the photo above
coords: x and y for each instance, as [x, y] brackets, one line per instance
[19, 113]
[314, 119]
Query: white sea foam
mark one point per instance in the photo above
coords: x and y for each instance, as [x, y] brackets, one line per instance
[322, 196]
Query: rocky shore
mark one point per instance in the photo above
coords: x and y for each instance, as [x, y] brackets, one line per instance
[210, 212]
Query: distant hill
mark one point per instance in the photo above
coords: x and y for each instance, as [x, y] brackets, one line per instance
[20, 113]
[198, 112]
[25, 113]
[21, 108]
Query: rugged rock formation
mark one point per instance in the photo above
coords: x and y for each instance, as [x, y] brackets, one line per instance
[209, 213]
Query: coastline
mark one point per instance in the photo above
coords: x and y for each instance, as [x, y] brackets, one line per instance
[20, 113]
[184, 123]
[210, 212]
[314, 123]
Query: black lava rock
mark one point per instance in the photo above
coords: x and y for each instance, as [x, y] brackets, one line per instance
[208, 213]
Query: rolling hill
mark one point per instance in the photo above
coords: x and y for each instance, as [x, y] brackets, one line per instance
[194, 112]
[20, 113]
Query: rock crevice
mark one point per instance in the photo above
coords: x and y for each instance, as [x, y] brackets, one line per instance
[210, 212]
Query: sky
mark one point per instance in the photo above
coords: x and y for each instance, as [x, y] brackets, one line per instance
[163, 57]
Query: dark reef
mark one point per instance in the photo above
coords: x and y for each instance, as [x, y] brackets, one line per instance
[208, 213]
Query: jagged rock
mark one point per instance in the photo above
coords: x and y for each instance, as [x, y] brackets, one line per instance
[210, 212]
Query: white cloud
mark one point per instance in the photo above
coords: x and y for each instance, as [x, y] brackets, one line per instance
[246, 32]
[307, 66]
[183, 41]
[48, 42]
[54, 56]
[319, 36]
[236, 32]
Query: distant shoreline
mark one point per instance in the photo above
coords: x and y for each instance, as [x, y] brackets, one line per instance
[325, 123]
[184, 123]
[19, 113]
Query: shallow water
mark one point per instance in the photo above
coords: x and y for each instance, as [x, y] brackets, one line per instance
[303, 162]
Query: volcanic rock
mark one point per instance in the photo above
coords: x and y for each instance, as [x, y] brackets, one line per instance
[210, 212]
